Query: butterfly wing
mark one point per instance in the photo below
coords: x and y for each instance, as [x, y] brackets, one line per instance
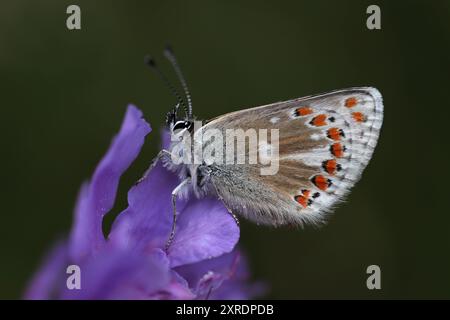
[325, 142]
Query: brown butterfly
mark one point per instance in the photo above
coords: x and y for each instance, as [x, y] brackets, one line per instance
[324, 142]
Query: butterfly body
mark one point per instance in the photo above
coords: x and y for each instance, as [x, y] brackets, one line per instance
[324, 143]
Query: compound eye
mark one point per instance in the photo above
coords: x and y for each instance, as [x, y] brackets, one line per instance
[179, 125]
[182, 125]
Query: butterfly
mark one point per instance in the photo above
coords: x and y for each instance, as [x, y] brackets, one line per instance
[324, 143]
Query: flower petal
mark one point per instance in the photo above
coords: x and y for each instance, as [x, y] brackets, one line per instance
[205, 230]
[224, 277]
[146, 223]
[238, 286]
[117, 274]
[97, 197]
[177, 289]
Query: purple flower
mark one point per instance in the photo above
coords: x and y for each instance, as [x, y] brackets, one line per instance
[131, 263]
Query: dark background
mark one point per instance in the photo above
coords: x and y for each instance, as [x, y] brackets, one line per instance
[64, 93]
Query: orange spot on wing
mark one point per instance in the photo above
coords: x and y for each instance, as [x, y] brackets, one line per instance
[358, 117]
[330, 166]
[321, 182]
[303, 111]
[351, 102]
[319, 120]
[302, 200]
[335, 133]
[337, 150]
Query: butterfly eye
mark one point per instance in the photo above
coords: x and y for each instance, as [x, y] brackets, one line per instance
[182, 125]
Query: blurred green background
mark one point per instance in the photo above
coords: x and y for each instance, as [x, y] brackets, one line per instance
[64, 93]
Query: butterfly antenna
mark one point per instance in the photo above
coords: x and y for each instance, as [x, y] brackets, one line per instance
[168, 53]
[149, 61]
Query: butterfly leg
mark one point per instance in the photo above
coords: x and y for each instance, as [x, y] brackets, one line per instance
[175, 193]
[231, 213]
[155, 161]
[225, 205]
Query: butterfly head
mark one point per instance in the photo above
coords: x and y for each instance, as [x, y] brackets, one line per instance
[174, 123]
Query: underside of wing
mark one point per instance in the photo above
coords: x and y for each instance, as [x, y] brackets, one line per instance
[325, 142]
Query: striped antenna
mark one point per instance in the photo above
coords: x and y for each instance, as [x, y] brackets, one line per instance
[148, 60]
[168, 53]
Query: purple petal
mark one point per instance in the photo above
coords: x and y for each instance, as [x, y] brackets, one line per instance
[238, 286]
[224, 277]
[97, 197]
[146, 223]
[44, 283]
[178, 289]
[207, 276]
[205, 230]
[116, 274]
